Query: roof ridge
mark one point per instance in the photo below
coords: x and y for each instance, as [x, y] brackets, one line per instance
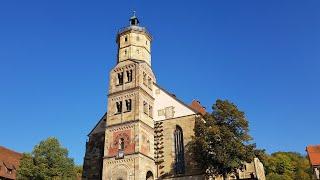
[10, 150]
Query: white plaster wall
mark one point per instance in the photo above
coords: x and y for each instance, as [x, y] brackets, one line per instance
[163, 100]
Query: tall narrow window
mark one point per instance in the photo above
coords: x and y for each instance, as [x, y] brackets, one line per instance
[150, 111]
[144, 78]
[129, 75]
[119, 107]
[126, 39]
[121, 144]
[179, 166]
[149, 82]
[120, 78]
[121, 148]
[145, 107]
[128, 104]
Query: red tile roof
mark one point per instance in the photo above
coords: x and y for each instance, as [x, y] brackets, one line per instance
[196, 106]
[9, 163]
[314, 155]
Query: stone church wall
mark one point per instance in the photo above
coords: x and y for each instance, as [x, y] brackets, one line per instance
[166, 169]
[92, 167]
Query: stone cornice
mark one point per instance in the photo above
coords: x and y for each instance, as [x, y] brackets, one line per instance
[130, 89]
[135, 46]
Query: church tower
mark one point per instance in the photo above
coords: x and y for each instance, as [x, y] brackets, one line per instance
[129, 134]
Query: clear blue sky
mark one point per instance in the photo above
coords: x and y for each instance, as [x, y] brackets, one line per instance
[55, 57]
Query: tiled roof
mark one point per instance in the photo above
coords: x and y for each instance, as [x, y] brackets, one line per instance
[196, 106]
[314, 155]
[9, 162]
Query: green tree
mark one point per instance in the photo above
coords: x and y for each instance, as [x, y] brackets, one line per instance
[287, 166]
[79, 170]
[222, 143]
[48, 160]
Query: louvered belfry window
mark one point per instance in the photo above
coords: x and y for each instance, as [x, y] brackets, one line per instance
[179, 166]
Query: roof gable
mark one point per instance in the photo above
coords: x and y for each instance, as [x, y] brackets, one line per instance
[9, 160]
[167, 105]
[314, 155]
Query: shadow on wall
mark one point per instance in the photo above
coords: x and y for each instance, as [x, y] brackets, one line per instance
[191, 169]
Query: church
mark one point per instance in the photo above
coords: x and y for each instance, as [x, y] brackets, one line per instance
[145, 130]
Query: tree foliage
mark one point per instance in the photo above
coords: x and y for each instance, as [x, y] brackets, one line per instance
[287, 166]
[48, 160]
[222, 142]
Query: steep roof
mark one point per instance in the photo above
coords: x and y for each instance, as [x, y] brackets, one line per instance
[97, 128]
[314, 155]
[9, 162]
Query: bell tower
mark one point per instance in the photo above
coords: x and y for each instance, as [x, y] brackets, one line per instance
[134, 42]
[129, 135]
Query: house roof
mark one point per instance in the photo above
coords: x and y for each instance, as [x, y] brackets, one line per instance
[9, 162]
[314, 154]
[196, 105]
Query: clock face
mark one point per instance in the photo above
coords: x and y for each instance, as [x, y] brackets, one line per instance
[123, 136]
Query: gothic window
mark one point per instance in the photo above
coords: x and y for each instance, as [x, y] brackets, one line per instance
[126, 39]
[144, 78]
[146, 42]
[150, 111]
[125, 52]
[149, 176]
[119, 107]
[145, 107]
[179, 166]
[129, 75]
[149, 82]
[120, 78]
[129, 105]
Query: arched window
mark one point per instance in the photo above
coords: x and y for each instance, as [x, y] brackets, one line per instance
[149, 175]
[179, 166]
[120, 78]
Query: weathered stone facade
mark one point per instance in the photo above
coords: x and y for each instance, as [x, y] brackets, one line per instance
[93, 161]
[146, 130]
[166, 169]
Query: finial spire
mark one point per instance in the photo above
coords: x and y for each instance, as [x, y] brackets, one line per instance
[134, 20]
